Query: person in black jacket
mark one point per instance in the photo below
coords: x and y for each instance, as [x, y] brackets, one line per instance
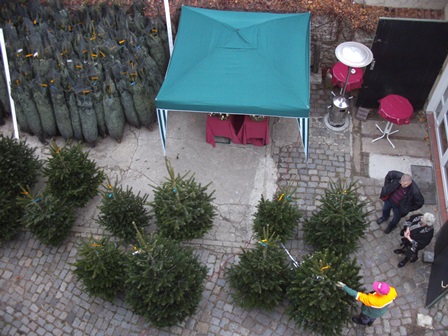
[401, 195]
[417, 233]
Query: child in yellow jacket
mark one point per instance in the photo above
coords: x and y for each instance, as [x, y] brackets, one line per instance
[374, 304]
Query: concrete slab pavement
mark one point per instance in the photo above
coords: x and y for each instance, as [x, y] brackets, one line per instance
[380, 164]
[411, 147]
[411, 140]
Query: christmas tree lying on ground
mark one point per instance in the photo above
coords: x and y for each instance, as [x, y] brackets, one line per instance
[280, 215]
[72, 175]
[19, 167]
[340, 221]
[260, 278]
[120, 210]
[183, 209]
[315, 301]
[164, 281]
[100, 266]
[48, 217]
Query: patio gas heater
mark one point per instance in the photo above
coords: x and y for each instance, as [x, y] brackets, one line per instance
[353, 55]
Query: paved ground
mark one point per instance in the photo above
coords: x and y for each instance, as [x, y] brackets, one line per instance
[39, 295]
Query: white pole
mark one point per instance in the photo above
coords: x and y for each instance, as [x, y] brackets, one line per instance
[8, 84]
[168, 25]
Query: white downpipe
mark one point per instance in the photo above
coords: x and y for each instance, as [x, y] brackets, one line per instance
[8, 84]
[168, 26]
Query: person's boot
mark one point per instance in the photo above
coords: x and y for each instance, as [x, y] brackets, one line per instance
[357, 320]
[399, 251]
[389, 229]
[402, 263]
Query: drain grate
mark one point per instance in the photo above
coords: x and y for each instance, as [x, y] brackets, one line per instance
[362, 113]
[424, 176]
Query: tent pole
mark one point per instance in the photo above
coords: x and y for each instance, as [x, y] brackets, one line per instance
[8, 84]
[162, 116]
[304, 129]
[168, 25]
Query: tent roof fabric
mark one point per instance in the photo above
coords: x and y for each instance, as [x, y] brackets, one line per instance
[239, 63]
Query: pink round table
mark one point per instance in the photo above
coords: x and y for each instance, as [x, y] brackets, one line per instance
[396, 110]
[339, 75]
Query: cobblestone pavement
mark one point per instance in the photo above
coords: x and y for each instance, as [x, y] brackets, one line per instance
[39, 295]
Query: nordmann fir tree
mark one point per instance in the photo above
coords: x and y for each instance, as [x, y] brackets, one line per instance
[11, 213]
[182, 207]
[19, 167]
[340, 220]
[260, 278]
[100, 267]
[72, 175]
[280, 215]
[120, 209]
[315, 303]
[48, 217]
[164, 281]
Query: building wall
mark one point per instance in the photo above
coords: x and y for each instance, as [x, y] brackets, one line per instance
[327, 34]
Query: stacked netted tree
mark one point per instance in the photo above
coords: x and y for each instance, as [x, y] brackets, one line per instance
[19, 167]
[101, 267]
[164, 281]
[280, 216]
[48, 217]
[71, 175]
[183, 209]
[260, 278]
[121, 209]
[340, 221]
[315, 303]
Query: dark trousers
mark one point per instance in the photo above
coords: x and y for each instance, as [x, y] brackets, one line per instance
[367, 320]
[387, 207]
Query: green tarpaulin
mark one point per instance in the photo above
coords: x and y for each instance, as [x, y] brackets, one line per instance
[239, 63]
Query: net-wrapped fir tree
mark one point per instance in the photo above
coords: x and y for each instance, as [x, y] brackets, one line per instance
[340, 220]
[260, 278]
[101, 267]
[121, 209]
[72, 175]
[182, 207]
[280, 215]
[164, 281]
[19, 167]
[315, 303]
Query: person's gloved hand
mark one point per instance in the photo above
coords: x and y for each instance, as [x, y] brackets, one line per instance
[340, 284]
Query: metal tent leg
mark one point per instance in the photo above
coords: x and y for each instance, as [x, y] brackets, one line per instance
[386, 133]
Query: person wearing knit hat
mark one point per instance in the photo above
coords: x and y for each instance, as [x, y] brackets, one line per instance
[417, 233]
[374, 304]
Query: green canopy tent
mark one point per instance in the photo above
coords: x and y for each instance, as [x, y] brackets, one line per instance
[239, 63]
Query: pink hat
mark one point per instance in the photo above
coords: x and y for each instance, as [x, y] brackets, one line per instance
[381, 287]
